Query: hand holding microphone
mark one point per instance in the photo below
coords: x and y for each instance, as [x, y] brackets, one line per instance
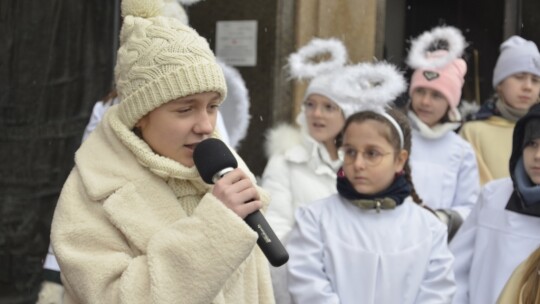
[217, 165]
[238, 193]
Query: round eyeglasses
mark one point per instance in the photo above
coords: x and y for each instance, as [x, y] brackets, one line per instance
[372, 157]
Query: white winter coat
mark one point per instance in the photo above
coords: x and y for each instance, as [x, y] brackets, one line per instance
[298, 174]
[491, 244]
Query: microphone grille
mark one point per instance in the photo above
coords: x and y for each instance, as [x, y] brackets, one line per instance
[211, 156]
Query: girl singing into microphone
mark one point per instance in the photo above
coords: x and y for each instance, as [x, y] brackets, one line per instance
[135, 223]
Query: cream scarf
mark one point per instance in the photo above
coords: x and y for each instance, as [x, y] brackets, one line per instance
[434, 132]
[185, 182]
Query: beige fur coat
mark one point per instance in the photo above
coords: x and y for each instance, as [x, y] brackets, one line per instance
[133, 227]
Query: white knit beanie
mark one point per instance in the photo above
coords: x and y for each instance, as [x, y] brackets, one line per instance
[517, 55]
[160, 60]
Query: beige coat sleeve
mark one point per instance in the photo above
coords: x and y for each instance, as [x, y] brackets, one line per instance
[130, 250]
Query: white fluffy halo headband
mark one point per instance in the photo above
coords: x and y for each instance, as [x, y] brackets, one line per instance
[423, 44]
[373, 87]
[355, 88]
[308, 62]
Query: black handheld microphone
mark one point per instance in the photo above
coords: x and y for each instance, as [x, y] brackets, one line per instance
[213, 160]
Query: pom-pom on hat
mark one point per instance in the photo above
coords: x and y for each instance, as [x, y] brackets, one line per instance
[442, 70]
[173, 9]
[517, 55]
[351, 87]
[159, 60]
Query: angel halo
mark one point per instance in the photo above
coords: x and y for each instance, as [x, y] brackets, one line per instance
[366, 86]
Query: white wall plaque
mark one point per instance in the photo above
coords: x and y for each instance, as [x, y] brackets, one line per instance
[236, 42]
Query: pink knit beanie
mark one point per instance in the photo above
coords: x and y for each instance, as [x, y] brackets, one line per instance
[448, 79]
[439, 68]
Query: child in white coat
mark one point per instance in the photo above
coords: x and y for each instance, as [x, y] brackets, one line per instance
[372, 242]
[502, 229]
[444, 166]
[304, 161]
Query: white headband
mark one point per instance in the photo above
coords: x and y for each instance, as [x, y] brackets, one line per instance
[396, 126]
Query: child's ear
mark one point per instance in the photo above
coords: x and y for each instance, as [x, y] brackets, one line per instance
[401, 159]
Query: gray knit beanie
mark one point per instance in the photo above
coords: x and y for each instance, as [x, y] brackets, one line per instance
[517, 56]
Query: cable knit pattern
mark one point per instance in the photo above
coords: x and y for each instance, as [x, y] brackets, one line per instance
[159, 60]
[188, 197]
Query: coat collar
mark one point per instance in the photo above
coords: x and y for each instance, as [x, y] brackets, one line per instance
[314, 155]
[105, 164]
[136, 200]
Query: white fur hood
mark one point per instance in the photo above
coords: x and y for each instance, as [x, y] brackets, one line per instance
[282, 138]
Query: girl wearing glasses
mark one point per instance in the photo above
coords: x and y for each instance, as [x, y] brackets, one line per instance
[445, 172]
[372, 242]
[303, 161]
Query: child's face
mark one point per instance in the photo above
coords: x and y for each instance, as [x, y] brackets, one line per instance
[175, 128]
[370, 162]
[429, 105]
[520, 91]
[324, 118]
[531, 160]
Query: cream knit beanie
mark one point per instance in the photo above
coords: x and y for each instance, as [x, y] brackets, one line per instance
[160, 60]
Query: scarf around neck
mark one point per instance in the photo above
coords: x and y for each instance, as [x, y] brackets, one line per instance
[526, 196]
[389, 198]
[434, 132]
[508, 112]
